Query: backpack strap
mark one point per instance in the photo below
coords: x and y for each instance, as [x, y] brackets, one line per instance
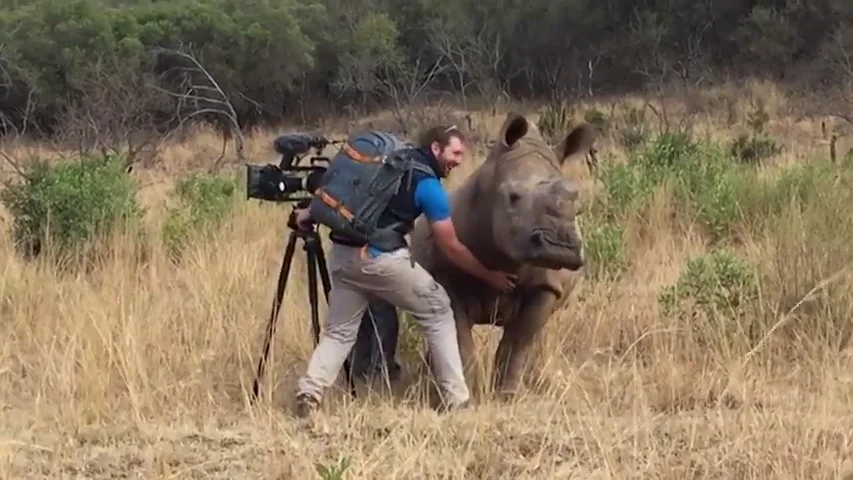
[330, 201]
[358, 156]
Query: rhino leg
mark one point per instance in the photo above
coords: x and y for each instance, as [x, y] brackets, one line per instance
[468, 354]
[375, 347]
[519, 337]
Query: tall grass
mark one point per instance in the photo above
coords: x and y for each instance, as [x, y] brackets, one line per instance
[709, 338]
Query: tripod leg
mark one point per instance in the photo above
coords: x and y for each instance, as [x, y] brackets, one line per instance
[319, 257]
[324, 270]
[312, 290]
[279, 294]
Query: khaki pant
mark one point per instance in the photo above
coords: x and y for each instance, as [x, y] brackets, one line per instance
[391, 277]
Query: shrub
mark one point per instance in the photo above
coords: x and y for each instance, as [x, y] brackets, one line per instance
[203, 201]
[711, 298]
[717, 282]
[626, 188]
[669, 152]
[555, 121]
[69, 204]
[753, 149]
[672, 158]
[604, 251]
[710, 187]
[756, 146]
[706, 185]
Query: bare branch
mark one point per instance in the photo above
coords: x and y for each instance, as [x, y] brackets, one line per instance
[840, 101]
[590, 66]
[404, 86]
[14, 121]
[200, 94]
[113, 112]
[460, 54]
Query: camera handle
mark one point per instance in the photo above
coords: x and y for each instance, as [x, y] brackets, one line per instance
[316, 261]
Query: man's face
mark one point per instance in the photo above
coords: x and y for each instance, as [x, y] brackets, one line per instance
[450, 156]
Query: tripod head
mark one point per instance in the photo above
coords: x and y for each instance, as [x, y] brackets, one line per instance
[291, 219]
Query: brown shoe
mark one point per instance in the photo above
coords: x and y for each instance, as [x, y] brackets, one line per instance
[305, 405]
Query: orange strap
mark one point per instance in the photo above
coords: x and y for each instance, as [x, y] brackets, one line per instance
[328, 200]
[352, 152]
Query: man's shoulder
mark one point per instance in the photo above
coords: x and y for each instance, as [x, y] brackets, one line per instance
[432, 199]
[430, 185]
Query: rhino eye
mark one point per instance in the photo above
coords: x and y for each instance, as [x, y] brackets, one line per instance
[514, 197]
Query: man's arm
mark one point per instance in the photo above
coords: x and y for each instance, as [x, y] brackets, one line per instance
[434, 202]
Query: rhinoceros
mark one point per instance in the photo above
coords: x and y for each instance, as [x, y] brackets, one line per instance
[516, 212]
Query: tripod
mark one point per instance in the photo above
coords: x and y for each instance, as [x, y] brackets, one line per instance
[316, 261]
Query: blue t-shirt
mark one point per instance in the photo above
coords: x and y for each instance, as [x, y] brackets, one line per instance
[433, 201]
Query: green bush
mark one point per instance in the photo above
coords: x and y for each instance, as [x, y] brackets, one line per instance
[719, 282]
[668, 159]
[668, 153]
[69, 204]
[710, 299]
[604, 251]
[203, 201]
[707, 186]
[625, 188]
[755, 147]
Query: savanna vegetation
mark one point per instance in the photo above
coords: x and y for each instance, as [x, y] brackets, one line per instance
[710, 337]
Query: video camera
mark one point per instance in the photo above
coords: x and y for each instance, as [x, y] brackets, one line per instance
[279, 183]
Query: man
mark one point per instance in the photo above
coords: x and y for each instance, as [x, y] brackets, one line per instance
[359, 272]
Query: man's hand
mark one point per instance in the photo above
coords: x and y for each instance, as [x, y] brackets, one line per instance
[303, 218]
[502, 281]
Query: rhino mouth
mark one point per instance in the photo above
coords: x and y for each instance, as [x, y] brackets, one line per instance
[549, 249]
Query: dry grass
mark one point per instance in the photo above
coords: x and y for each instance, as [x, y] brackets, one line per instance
[142, 370]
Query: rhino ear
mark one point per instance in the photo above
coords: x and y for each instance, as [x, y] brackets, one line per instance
[513, 129]
[579, 140]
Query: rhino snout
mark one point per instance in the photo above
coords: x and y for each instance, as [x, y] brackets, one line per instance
[541, 237]
[549, 249]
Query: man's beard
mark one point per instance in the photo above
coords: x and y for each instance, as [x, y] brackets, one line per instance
[443, 169]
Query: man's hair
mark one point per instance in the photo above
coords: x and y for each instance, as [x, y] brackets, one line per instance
[441, 134]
